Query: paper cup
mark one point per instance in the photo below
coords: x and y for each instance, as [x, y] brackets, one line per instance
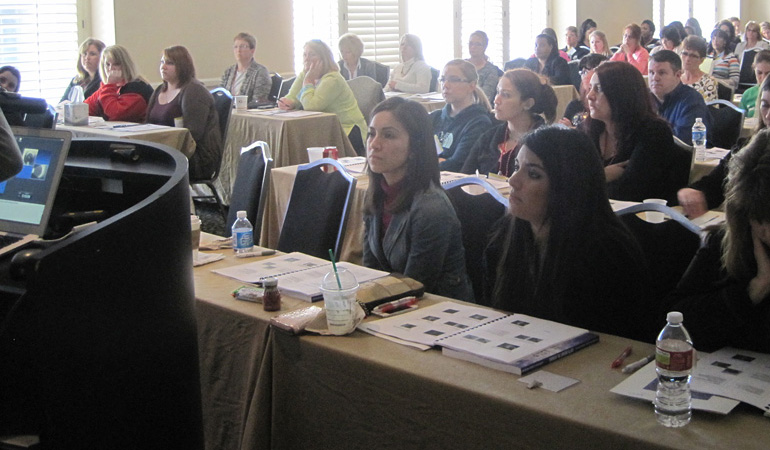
[241, 102]
[315, 153]
[654, 216]
[179, 122]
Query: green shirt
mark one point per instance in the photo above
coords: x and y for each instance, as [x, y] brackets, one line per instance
[749, 100]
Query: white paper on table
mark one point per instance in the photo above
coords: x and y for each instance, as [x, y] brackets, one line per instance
[549, 381]
[206, 258]
[709, 219]
[736, 374]
[301, 113]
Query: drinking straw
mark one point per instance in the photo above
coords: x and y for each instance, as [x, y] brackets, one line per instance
[334, 266]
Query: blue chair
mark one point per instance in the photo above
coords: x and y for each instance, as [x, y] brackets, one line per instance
[251, 185]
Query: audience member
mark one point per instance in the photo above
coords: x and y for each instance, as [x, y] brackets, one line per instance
[320, 87]
[573, 49]
[182, 95]
[551, 32]
[352, 65]
[692, 27]
[489, 74]
[648, 34]
[123, 94]
[577, 110]
[466, 114]
[10, 155]
[679, 104]
[737, 25]
[727, 26]
[764, 28]
[412, 74]
[693, 54]
[410, 224]
[10, 79]
[246, 76]
[752, 40]
[640, 158]
[549, 259]
[586, 28]
[761, 68]
[599, 44]
[523, 98]
[547, 61]
[708, 193]
[725, 66]
[724, 293]
[87, 80]
[670, 39]
[631, 51]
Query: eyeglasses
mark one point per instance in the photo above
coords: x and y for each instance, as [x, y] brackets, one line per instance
[584, 72]
[690, 55]
[445, 80]
[241, 47]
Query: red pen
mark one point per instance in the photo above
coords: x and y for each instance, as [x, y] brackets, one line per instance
[396, 305]
[622, 357]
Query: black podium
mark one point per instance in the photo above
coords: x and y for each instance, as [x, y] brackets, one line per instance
[98, 343]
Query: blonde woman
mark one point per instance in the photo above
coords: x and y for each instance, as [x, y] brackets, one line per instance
[123, 95]
[599, 43]
[413, 73]
[88, 78]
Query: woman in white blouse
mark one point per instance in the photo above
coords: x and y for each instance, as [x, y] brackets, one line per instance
[413, 73]
[752, 40]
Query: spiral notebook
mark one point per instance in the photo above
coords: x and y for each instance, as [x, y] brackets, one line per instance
[515, 343]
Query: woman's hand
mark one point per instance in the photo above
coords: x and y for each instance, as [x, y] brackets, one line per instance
[759, 286]
[614, 171]
[566, 122]
[285, 103]
[693, 202]
[392, 85]
[314, 73]
[115, 76]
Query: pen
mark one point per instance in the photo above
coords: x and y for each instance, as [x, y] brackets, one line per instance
[254, 254]
[633, 367]
[125, 126]
[622, 357]
[396, 305]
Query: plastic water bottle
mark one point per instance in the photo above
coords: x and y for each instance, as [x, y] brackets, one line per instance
[674, 357]
[243, 234]
[699, 139]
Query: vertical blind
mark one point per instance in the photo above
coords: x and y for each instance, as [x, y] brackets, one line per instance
[376, 22]
[39, 37]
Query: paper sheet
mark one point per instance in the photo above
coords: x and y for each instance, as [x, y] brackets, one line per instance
[549, 381]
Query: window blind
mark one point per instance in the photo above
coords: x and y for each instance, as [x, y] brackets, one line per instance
[314, 19]
[39, 37]
[487, 16]
[528, 21]
[377, 23]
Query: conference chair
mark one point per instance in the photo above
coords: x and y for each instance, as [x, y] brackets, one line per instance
[318, 209]
[477, 215]
[368, 93]
[251, 185]
[668, 247]
[747, 77]
[574, 73]
[381, 73]
[724, 92]
[223, 103]
[434, 74]
[286, 86]
[275, 87]
[726, 123]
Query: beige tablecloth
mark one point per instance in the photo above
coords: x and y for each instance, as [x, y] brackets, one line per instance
[287, 137]
[178, 138]
[564, 95]
[266, 389]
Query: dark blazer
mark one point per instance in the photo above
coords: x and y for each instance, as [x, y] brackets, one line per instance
[368, 68]
[555, 68]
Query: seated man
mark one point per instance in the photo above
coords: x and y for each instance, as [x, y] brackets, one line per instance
[678, 103]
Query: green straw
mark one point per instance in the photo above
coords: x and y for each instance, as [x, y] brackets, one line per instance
[334, 266]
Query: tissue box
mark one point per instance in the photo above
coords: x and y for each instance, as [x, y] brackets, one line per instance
[76, 114]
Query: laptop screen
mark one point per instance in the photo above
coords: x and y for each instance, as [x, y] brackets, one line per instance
[26, 200]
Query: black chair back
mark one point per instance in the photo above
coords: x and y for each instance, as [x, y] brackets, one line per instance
[285, 86]
[45, 119]
[318, 210]
[747, 78]
[477, 215]
[381, 73]
[223, 103]
[434, 74]
[251, 185]
[275, 87]
[574, 73]
[727, 123]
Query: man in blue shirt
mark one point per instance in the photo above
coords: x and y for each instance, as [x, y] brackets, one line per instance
[678, 103]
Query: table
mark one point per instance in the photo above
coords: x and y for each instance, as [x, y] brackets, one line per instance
[266, 389]
[564, 95]
[178, 138]
[288, 136]
[430, 101]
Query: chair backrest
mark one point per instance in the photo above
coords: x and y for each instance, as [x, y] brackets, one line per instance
[318, 209]
[434, 74]
[747, 77]
[381, 73]
[668, 246]
[477, 215]
[251, 185]
[727, 123]
[683, 145]
[368, 93]
[275, 87]
[285, 86]
[223, 103]
[574, 73]
[724, 92]
[45, 119]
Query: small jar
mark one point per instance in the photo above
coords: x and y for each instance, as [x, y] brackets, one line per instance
[271, 300]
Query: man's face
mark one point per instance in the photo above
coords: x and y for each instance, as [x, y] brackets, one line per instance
[663, 78]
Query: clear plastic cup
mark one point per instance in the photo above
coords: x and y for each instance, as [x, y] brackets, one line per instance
[340, 304]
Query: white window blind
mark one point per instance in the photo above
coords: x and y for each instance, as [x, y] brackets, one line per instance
[377, 23]
[487, 16]
[433, 22]
[39, 37]
[314, 19]
[526, 22]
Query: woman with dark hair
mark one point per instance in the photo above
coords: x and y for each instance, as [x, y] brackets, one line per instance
[586, 28]
[547, 61]
[321, 87]
[670, 39]
[123, 94]
[10, 79]
[693, 54]
[692, 27]
[733, 40]
[631, 51]
[726, 66]
[577, 110]
[725, 293]
[87, 80]
[521, 102]
[182, 96]
[761, 68]
[640, 158]
[410, 224]
[648, 34]
[549, 259]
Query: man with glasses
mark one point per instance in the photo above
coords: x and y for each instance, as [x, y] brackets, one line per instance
[247, 77]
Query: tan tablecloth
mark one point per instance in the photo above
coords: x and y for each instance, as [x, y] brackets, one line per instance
[265, 389]
[178, 138]
[288, 138]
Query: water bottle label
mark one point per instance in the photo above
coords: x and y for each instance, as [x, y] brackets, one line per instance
[244, 239]
[674, 361]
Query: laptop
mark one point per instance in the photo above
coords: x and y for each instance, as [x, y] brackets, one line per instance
[283, 90]
[26, 200]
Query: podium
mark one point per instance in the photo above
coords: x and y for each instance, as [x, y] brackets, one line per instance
[98, 342]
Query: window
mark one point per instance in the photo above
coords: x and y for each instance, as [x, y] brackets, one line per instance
[528, 22]
[314, 19]
[667, 11]
[39, 37]
[489, 17]
[377, 23]
[432, 21]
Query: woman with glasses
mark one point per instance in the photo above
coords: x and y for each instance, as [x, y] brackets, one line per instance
[489, 73]
[752, 40]
[466, 114]
[412, 74]
[547, 61]
[693, 54]
[524, 102]
[246, 76]
[123, 94]
[631, 50]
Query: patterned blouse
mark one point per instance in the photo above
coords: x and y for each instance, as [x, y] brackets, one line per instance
[706, 86]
